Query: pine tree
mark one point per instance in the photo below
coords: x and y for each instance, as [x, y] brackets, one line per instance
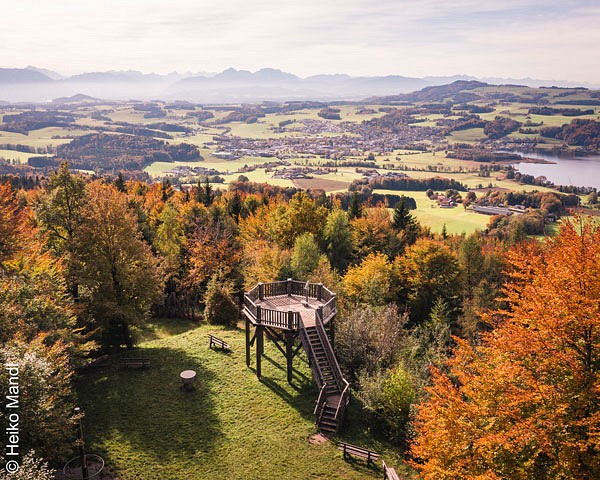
[205, 193]
[354, 207]
[404, 222]
[120, 183]
[402, 216]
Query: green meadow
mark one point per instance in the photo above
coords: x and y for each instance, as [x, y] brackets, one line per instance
[231, 426]
[457, 220]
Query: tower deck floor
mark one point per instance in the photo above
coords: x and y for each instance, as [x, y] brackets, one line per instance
[295, 303]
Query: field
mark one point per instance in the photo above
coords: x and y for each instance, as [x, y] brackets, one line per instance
[42, 137]
[230, 426]
[457, 220]
[18, 157]
[306, 139]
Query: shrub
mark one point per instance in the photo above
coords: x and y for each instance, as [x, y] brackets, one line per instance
[219, 306]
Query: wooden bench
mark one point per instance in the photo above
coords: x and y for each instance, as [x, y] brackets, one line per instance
[354, 451]
[134, 362]
[94, 364]
[389, 473]
[218, 342]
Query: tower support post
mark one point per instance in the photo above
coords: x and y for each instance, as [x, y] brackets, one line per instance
[247, 342]
[289, 354]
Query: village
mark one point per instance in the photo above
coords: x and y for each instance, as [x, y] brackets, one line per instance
[350, 140]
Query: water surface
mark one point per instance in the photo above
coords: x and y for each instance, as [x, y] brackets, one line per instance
[579, 171]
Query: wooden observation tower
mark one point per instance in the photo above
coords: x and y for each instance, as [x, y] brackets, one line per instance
[285, 311]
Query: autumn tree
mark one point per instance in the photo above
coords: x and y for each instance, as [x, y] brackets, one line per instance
[213, 246]
[60, 214]
[305, 256]
[525, 404]
[429, 270]
[373, 233]
[301, 215]
[45, 395]
[11, 222]
[115, 266]
[374, 281]
[264, 262]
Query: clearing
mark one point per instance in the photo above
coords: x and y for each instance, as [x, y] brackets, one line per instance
[230, 426]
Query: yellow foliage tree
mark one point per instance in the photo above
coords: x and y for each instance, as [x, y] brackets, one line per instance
[373, 281]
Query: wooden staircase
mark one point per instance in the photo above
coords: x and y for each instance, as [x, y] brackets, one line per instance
[334, 394]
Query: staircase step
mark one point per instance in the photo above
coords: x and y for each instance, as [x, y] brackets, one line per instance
[328, 424]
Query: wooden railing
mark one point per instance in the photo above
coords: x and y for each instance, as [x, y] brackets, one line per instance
[252, 294]
[273, 289]
[272, 318]
[326, 294]
[312, 358]
[329, 309]
[286, 319]
[333, 363]
[341, 382]
[321, 402]
[277, 318]
[291, 287]
[250, 305]
[340, 411]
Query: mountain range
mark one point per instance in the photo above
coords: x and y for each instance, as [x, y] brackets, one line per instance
[33, 84]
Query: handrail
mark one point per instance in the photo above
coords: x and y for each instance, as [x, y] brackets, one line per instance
[276, 318]
[253, 293]
[335, 366]
[329, 308]
[311, 354]
[320, 397]
[342, 384]
[291, 287]
[342, 399]
[249, 304]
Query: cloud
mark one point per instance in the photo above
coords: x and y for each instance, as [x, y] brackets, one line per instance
[410, 37]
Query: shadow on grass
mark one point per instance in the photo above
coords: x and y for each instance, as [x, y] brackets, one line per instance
[162, 327]
[148, 410]
[361, 465]
[298, 377]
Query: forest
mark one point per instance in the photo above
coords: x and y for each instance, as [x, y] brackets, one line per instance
[448, 340]
[105, 152]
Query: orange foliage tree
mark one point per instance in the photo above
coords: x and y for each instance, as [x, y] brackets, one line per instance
[526, 403]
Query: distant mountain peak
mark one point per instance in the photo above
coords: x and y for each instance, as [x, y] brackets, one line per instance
[77, 98]
[44, 71]
[22, 76]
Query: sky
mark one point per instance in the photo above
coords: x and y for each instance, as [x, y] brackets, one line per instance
[542, 39]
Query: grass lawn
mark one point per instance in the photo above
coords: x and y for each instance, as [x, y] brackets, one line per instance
[232, 426]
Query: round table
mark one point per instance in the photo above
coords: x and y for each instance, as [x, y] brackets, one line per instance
[188, 377]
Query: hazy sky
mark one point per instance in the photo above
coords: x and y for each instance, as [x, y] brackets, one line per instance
[516, 38]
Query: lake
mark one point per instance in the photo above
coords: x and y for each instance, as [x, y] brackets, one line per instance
[579, 171]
